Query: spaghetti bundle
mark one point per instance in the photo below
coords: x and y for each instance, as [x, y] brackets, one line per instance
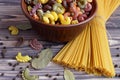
[90, 51]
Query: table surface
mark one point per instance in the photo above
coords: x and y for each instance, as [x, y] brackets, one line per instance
[11, 14]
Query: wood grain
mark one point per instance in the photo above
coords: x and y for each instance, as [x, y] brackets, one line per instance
[11, 14]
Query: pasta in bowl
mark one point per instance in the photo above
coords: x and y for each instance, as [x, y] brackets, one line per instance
[59, 20]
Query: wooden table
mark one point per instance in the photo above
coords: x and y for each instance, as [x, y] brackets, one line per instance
[11, 14]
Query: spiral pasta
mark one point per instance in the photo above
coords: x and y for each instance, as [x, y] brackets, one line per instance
[43, 1]
[39, 9]
[21, 58]
[13, 30]
[50, 17]
[64, 20]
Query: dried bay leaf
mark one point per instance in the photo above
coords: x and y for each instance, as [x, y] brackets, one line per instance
[24, 26]
[36, 63]
[46, 53]
[43, 59]
[68, 75]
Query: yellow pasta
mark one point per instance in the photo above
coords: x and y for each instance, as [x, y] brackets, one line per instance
[90, 50]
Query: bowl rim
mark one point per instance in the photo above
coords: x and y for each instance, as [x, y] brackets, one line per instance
[23, 6]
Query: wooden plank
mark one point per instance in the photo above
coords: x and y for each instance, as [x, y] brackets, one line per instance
[11, 14]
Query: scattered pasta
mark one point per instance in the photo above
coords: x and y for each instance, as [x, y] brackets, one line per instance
[21, 58]
[13, 30]
[26, 75]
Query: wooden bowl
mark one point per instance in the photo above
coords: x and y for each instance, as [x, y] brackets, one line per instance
[58, 33]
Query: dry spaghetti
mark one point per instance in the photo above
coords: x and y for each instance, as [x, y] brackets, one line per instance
[90, 50]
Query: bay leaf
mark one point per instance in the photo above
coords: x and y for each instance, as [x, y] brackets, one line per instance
[68, 75]
[46, 53]
[43, 59]
[24, 26]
